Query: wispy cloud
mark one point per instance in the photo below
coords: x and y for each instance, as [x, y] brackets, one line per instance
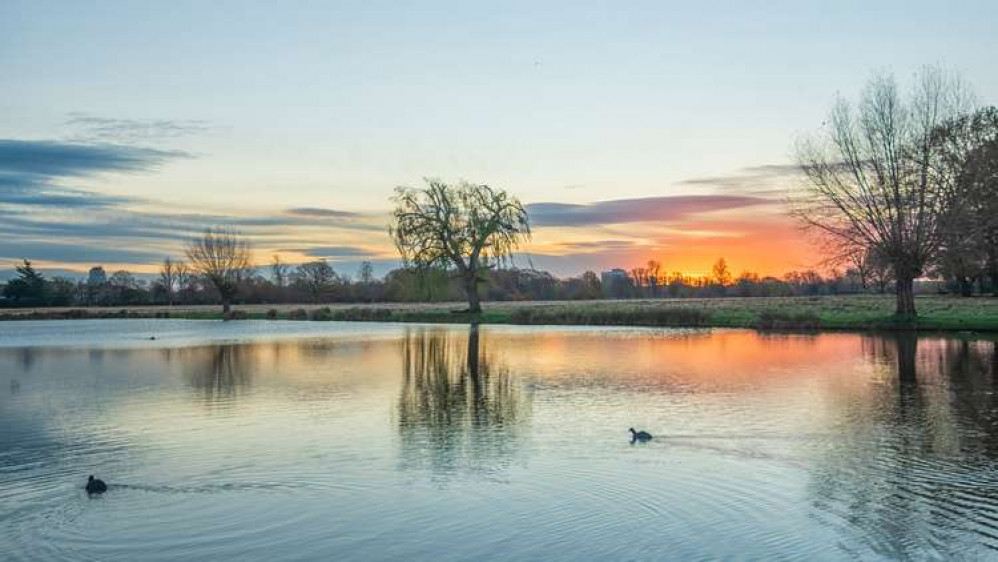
[79, 252]
[49, 159]
[619, 211]
[35, 172]
[762, 180]
[334, 252]
[595, 246]
[322, 212]
[92, 128]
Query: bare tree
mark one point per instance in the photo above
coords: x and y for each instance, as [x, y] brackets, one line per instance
[654, 270]
[638, 276]
[365, 273]
[873, 181]
[720, 273]
[469, 227]
[168, 279]
[317, 277]
[184, 279]
[279, 270]
[221, 256]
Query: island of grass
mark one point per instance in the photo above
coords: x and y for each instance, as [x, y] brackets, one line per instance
[853, 312]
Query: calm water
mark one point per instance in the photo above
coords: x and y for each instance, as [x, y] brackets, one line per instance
[324, 441]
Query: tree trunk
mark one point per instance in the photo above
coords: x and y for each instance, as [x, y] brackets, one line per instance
[907, 350]
[473, 352]
[471, 288]
[905, 290]
[226, 305]
[966, 286]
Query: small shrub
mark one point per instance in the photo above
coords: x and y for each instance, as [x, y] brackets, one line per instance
[298, 314]
[272, 314]
[235, 315]
[323, 314]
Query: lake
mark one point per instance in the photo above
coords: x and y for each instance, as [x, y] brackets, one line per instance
[338, 441]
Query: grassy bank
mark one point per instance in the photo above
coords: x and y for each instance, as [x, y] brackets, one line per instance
[866, 312]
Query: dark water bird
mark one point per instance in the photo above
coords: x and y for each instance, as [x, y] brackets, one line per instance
[639, 435]
[96, 485]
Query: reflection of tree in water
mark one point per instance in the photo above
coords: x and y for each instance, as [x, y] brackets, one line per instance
[220, 372]
[459, 407]
[910, 474]
[27, 356]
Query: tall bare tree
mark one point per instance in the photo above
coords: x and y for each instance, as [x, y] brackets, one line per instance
[720, 273]
[279, 270]
[470, 227]
[168, 279]
[184, 279]
[317, 277]
[873, 182]
[221, 256]
[654, 270]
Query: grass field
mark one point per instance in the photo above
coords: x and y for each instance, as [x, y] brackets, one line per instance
[854, 312]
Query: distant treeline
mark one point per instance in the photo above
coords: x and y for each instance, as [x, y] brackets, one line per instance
[319, 282]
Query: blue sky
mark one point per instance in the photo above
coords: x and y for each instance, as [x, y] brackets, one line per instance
[244, 112]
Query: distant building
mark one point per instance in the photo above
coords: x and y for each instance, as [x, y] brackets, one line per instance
[615, 282]
[615, 275]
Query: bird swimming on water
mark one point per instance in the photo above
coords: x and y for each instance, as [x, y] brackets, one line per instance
[96, 485]
[639, 435]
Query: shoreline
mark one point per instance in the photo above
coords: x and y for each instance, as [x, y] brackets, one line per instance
[853, 312]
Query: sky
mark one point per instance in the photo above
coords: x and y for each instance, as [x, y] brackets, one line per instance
[631, 130]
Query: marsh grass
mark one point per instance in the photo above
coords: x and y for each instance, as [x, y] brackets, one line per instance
[771, 319]
[609, 315]
[856, 312]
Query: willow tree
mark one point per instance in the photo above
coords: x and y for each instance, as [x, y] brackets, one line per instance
[221, 256]
[467, 227]
[874, 180]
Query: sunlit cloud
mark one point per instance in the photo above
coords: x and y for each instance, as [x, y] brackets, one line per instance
[645, 209]
[740, 217]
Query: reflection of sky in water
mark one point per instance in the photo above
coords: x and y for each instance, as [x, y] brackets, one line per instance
[376, 442]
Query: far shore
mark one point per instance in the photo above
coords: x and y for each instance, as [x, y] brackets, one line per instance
[853, 312]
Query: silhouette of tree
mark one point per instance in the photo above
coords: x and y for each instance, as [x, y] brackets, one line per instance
[279, 271]
[720, 273]
[469, 227]
[29, 285]
[168, 274]
[222, 257]
[968, 149]
[875, 181]
[318, 277]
